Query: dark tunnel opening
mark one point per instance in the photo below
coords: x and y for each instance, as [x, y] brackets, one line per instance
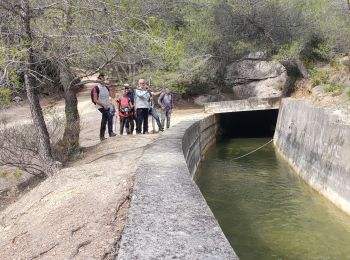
[259, 123]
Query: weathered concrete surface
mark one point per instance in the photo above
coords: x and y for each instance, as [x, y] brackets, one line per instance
[168, 217]
[318, 147]
[250, 104]
[197, 138]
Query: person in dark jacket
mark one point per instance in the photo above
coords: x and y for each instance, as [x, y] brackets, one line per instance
[130, 124]
[101, 99]
[166, 104]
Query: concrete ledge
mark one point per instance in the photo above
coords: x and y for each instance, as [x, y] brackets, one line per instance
[168, 217]
[250, 104]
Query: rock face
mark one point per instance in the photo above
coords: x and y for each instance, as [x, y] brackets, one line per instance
[257, 78]
[201, 100]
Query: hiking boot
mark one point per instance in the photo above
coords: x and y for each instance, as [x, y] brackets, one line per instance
[161, 129]
[102, 138]
[146, 133]
[112, 134]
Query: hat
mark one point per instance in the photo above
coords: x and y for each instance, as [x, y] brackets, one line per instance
[126, 85]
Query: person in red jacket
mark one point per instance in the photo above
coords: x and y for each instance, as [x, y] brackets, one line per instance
[125, 108]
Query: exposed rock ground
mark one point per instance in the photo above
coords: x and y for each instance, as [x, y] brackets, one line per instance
[80, 212]
[336, 101]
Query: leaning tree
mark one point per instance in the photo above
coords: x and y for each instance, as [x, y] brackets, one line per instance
[23, 14]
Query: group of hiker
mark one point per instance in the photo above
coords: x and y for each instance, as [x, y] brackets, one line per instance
[132, 106]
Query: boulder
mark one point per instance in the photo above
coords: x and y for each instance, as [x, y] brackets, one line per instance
[345, 61]
[213, 97]
[256, 78]
[201, 100]
[259, 55]
[17, 99]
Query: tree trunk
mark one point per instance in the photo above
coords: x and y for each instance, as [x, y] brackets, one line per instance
[116, 71]
[72, 127]
[47, 162]
[133, 72]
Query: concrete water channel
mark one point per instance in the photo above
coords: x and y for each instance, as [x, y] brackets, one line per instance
[264, 208]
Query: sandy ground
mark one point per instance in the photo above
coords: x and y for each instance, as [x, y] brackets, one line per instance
[80, 212]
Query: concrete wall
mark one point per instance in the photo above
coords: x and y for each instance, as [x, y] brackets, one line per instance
[168, 217]
[250, 104]
[317, 145]
[197, 138]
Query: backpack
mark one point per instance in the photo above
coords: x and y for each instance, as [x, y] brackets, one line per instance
[97, 91]
[124, 110]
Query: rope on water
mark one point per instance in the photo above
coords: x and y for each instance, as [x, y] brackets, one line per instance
[253, 151]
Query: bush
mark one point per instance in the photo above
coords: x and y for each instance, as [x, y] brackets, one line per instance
[317, 48]
[323, 52]
[5, 97]
[288, 52]
[19, 145]
[334, 89]
[319, 77]
[336, 65]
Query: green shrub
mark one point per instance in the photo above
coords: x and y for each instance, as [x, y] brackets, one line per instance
[5, 97]
[319, 77]
[75, 153]
[288, 52]
[197, 88]
[318, 48]
[323, 51]
[335, 64]
[334, 89]
[18, 173]
[309, 63]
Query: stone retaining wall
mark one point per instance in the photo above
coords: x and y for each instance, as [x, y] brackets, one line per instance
[168, 217]
[317, 145]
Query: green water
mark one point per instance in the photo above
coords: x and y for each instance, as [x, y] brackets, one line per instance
[265, 210]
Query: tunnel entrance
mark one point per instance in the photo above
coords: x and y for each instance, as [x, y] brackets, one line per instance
[259, 123]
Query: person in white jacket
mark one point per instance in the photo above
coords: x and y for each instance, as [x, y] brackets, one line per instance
[142, 98]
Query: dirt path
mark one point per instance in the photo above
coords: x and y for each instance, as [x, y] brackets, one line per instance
[80, 212]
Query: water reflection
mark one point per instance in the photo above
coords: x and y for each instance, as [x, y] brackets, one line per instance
[265, 210]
